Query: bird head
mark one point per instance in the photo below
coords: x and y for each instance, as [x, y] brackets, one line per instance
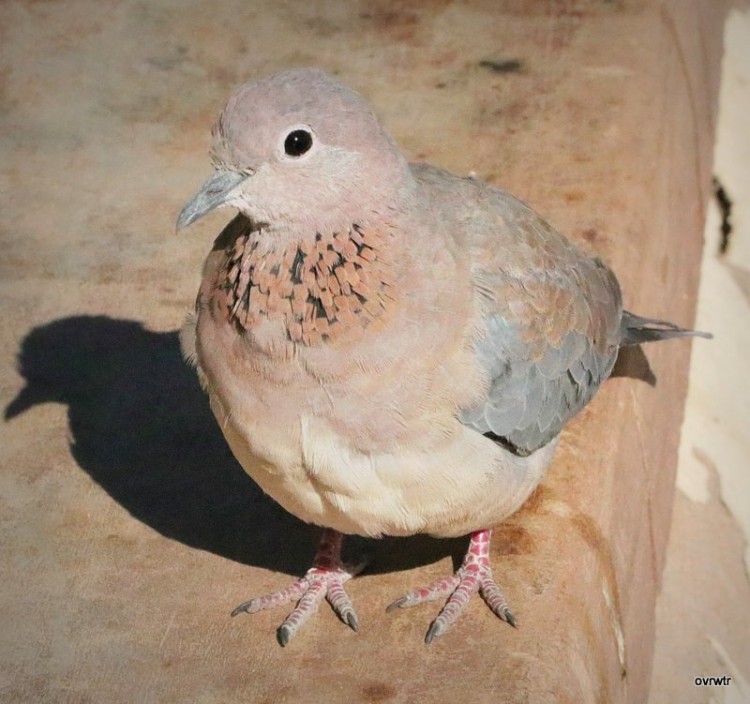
[297, 154]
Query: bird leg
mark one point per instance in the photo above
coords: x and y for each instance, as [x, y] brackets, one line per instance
[325, 578]
[474, 575]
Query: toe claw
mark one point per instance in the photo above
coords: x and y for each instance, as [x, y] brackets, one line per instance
[399, 603]
[241, 608]
[284, 635]
[351, 620]
[433, 631]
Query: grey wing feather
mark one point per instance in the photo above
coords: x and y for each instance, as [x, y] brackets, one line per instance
[529, 401]
[550, 314]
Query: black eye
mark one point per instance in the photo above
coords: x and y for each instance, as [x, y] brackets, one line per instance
[297, 142]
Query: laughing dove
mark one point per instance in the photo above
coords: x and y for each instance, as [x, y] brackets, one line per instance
[388, 348]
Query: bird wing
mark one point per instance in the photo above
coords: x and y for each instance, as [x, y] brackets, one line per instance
[550, 321]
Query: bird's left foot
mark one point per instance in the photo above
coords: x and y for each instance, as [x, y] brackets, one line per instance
[325, 579]
[474, 575]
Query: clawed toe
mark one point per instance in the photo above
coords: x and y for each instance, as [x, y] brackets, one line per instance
[325, 579]
[328, 584]
[436, 590]
[474, 575]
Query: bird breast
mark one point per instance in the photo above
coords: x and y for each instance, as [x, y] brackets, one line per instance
[318, 288]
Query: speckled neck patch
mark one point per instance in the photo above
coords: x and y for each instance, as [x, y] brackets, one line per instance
[320, 288]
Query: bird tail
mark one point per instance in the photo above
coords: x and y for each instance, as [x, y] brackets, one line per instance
[635, 330]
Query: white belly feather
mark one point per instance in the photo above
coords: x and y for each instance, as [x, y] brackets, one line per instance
[468, 483]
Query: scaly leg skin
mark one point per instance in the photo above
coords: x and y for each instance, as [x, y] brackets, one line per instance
[474, 575]
[325, 578]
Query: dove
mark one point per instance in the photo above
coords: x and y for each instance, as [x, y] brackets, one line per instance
[388, 348]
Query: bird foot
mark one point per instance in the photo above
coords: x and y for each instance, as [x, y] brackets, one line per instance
[474, 575]
[325, 578]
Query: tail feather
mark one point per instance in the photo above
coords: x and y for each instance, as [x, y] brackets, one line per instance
[636, 329]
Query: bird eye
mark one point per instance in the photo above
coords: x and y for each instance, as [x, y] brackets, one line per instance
[298, 142]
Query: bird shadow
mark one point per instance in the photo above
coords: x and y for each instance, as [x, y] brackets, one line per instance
[632, 363]
[142, 428]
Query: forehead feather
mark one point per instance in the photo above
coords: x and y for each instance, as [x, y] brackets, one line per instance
[260, 111]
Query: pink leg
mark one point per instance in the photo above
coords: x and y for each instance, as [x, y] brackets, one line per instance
[325, 578]
[474, 575]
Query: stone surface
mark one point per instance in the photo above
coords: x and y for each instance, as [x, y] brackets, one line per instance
[703, 614]
[129, 532]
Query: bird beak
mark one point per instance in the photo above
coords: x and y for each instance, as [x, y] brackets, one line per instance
[212, 194]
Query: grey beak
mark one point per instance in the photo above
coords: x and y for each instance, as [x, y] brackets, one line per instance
[212, 194]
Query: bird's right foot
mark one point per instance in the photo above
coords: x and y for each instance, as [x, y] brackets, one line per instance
[325, 578]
